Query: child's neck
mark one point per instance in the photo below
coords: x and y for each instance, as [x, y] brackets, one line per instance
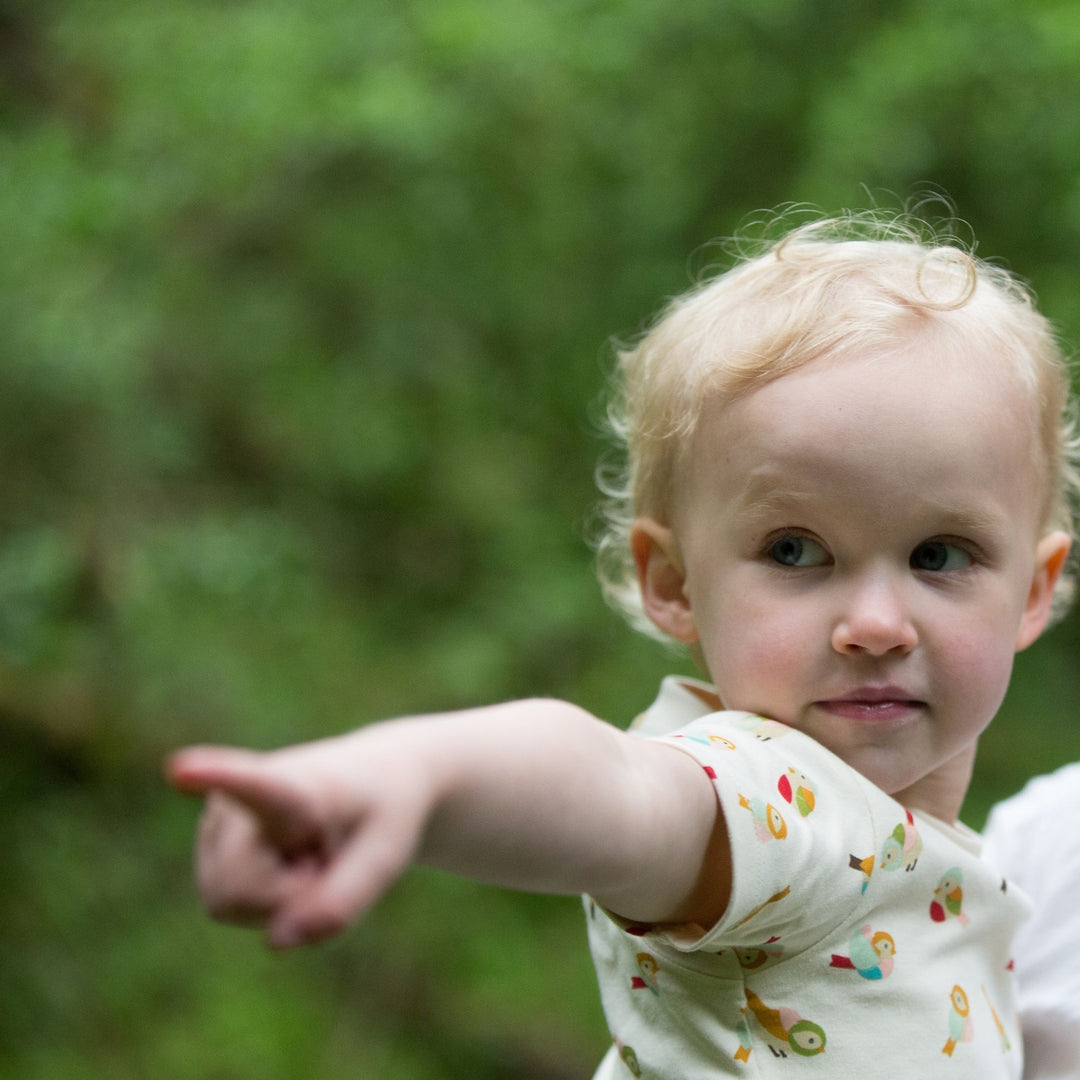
[941, 793]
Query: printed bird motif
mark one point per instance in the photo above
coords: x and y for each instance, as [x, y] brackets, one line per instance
[754, 912]
[760, 727]
[902, 849]
[628, 1057]
[707, 740]
[865, 865]
[960, 1026]
[871, 953]
[746, 1043]
[949, 898]
[795, 787]
[649, 969]
[802, 1037]
[754, 956]
[1006, 1045]
[769, 823]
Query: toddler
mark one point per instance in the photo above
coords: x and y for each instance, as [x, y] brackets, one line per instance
[849, 493]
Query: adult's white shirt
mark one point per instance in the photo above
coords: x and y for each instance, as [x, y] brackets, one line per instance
[1034, 840]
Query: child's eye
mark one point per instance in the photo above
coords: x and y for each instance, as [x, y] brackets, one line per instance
[937, 555]
[798, 551]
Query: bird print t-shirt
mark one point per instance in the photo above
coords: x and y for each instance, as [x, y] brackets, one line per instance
[861, 938]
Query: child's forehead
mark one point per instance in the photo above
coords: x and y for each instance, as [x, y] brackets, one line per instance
[914, 418]
[932, 380]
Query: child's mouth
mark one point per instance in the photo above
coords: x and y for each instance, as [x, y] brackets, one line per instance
[877, 703]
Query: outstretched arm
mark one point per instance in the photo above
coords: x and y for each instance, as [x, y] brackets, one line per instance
[535, 795]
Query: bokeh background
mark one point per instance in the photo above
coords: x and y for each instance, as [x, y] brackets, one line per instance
[305, 314]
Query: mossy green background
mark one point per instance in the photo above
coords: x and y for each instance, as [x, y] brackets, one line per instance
[306, 312]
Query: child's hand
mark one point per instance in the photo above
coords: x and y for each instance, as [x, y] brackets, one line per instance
[301, 840]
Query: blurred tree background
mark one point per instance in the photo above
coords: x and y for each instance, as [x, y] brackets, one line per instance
[306, 313]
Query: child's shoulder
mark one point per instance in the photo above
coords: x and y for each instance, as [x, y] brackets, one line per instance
[688, 713]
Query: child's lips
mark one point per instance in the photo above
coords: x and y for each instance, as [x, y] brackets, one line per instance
[873, 703]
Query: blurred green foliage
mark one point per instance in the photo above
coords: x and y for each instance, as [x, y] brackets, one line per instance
[305, 317]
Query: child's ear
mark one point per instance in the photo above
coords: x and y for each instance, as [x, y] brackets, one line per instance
[1050, 556]
[662, 579]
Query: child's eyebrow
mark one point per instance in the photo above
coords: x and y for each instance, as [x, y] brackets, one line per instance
[970, 519]
[769, 488]
[756, 503]
[760, 505]
[762, 501]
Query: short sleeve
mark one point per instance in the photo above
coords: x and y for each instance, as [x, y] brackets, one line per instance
[802, 831]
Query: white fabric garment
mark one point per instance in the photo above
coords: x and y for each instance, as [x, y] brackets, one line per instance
[1032, 839]
[860, 939]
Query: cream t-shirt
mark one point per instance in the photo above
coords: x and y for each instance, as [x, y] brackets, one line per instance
[861, 939]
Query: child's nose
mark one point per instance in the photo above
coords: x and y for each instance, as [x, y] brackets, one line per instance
[875, 620]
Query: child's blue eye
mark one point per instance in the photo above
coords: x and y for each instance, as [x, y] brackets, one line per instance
[937, 555]
[798, 551]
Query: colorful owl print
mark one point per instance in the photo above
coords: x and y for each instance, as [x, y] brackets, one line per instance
[649, 969]
[870, 954]
[746, 1043]
[796, 789]
[1003, 1035]
[769, 823]
[707, 740]
[865, 866]
[751, 957]
[902, 849]
[776, 897]
[760, 727]
[787, 1030]
[628, 1057]
[949, 898]
[960, 1026]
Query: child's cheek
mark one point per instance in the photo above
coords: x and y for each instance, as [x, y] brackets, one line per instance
[981, 668]
[760, 665]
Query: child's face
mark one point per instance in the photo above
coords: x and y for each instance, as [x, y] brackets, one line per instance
[856, 551]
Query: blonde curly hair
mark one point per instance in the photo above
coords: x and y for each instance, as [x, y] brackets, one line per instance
[836, 287]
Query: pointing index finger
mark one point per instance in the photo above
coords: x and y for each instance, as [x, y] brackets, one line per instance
[283, 809]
